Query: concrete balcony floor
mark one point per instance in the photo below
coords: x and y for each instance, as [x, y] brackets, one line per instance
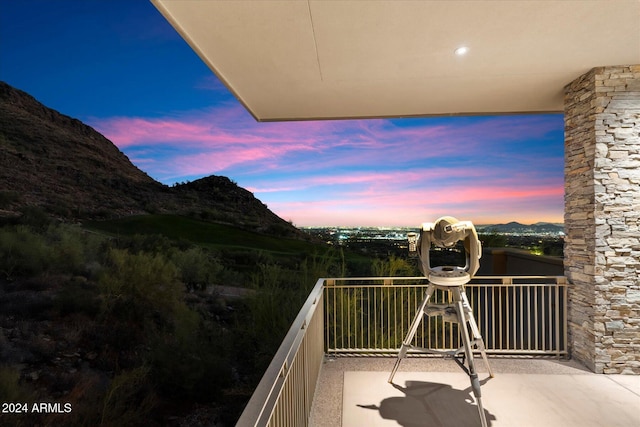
[431, 391]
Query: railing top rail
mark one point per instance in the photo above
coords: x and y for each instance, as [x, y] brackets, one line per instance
[337, 281]
[265, 395]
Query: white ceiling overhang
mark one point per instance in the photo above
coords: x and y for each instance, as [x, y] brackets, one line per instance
[323, 59]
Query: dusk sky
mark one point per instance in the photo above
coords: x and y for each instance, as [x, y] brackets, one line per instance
[118, 66]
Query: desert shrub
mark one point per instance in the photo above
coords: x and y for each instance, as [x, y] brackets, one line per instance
[191, 364]
[140, 288]
[196, 267]
[393, 267]
[264, 317]
[68, 250]
[249, 257]
[23, 252]
[274, 297]
[152, 243]
[86, 399]
[58, 249]
[330, 264]
[129, 399]
[11, 389]
[191, 372]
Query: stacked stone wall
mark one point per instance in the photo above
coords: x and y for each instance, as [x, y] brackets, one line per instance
[579, 252]
[602, 218]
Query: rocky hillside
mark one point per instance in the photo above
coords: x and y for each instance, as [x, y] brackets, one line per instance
[69, 170]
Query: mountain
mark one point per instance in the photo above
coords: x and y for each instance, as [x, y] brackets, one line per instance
[69, 170]
[517, 228]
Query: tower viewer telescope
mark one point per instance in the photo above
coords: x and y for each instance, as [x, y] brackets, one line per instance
[446, 232]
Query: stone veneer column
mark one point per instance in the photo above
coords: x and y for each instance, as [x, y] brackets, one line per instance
[602, 218]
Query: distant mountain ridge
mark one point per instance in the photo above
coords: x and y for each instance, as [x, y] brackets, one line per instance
[71, 171]
[516, 227]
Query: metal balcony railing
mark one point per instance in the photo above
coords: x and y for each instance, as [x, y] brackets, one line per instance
[523, 315]
[520, 315]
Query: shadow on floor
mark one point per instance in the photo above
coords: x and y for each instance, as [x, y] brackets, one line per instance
[428, 404]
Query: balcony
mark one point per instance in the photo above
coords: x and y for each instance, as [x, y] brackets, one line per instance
[333, 365]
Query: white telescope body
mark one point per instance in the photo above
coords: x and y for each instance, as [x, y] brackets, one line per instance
[445, 233]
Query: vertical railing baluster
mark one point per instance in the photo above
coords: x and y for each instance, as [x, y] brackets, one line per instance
[545, 294]
[557, 318]
[521, 318]
[335, 319]
[537, 320]
[369, 320]
[349, 328]
[362, 324]
[395, 318]
[341, 299]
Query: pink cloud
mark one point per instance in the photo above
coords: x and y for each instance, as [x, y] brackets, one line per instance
[227, 133]
[226, 136]
[126, 132]
[387, 171]
[472, 183]
[230, 126]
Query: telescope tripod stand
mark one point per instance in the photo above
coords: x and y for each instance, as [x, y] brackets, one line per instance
[459, 311]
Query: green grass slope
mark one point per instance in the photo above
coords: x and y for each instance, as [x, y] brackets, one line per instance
[202, 233]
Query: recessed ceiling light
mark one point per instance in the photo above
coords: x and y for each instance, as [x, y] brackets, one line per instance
[461, 51]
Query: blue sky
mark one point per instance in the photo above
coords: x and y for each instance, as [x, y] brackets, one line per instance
[118, 66]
